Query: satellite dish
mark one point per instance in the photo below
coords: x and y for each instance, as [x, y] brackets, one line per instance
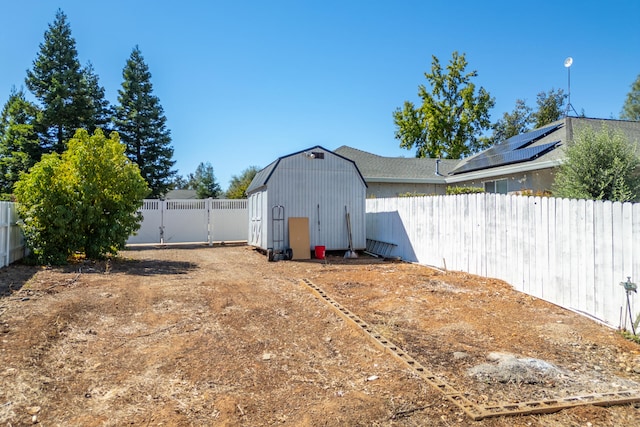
[568, 62]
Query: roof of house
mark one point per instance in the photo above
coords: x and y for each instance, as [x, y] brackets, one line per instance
[534, 150]
[180, 194]
[398, 169]
[261, 178]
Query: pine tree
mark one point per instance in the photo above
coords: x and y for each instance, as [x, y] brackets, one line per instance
[100, 117]
[204, 182]
[59, 83]
[631, 107]
[140, 121]
[19, 145]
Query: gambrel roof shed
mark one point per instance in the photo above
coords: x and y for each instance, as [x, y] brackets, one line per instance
[316, 184]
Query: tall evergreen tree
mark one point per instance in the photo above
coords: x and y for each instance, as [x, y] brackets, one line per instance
[204, 182]
[101, 114]
[631, 107]
[19, 145]
[59, 83]
[141, 123]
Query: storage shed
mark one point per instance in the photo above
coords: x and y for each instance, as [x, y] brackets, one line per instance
[302, 200]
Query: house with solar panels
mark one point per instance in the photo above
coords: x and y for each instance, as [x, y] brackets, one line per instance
[525, 162]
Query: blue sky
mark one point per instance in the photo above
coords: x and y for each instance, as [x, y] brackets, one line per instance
[245, 82]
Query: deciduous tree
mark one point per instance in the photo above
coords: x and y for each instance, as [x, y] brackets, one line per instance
[85, 200]
[239, 184]
[141, 123]
[452, 117]
[550, 107]
[513, 123]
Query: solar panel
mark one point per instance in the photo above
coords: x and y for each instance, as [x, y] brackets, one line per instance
[528, 138]
[507, 158]
[500, 154]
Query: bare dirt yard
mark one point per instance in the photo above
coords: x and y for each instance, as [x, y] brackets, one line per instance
[198, 336]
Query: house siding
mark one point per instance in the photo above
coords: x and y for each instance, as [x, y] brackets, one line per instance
[536, 181]
[393, 189]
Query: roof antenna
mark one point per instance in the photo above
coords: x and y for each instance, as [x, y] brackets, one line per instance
[567, 63]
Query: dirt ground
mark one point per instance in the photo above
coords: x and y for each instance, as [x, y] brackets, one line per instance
[218, 336]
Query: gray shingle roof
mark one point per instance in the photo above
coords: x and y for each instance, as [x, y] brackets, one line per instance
[376, 168]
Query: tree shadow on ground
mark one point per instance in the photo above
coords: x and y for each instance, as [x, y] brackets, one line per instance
[152, 267]
[13, 277]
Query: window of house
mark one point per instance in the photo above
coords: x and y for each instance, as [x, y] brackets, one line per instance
[499, 186]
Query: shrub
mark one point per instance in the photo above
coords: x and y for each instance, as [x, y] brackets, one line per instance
[451, 191]
[85, 200]
[531, 193]
[600, 165]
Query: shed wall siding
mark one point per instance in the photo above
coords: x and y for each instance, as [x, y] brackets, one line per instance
[318, 189]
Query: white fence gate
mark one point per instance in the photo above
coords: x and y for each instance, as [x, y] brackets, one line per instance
[574, 253]
[12, 244]
[192, 221]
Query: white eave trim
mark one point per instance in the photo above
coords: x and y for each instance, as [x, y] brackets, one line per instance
[434, 180]
[506, 170]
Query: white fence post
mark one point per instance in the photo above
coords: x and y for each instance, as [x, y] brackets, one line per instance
[12, 243]
[5, 229]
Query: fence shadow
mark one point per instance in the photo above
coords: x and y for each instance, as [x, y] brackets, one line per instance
[388, 227]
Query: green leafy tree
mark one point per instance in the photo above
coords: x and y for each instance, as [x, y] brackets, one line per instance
[513, 123]
[204, 182]
[60, 85]
[600, 165]
[239, 184]
[550, 107]
[141, 123]
[631, 107]
[452, 117]
[19, 144]
[85, 200]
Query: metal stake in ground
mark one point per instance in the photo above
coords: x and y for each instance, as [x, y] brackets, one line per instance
[630, 287]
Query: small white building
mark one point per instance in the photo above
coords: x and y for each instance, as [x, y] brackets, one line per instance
[316, 184]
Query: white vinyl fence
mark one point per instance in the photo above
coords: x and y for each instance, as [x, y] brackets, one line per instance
[12, 245]
[573, 253]
[192, 221]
